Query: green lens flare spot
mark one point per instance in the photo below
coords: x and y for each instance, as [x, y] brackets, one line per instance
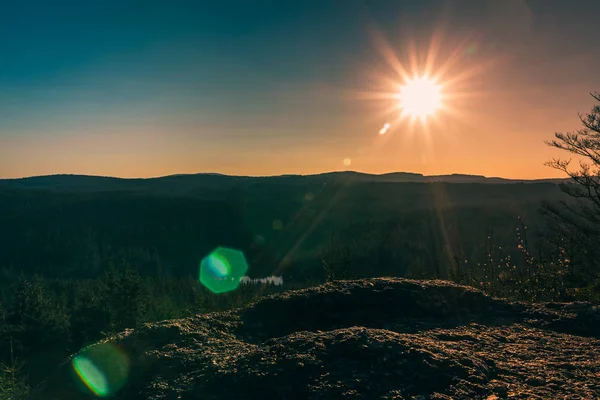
[92, 376]
[219, 266]
[223, 269]
[103, 369]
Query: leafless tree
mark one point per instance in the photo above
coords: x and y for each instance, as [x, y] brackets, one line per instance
[577, 222]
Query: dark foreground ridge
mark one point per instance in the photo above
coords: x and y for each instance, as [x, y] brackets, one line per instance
[379, 338]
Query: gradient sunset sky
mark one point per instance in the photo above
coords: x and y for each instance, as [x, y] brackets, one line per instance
[152, 88]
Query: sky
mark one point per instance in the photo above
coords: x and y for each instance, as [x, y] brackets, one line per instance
[263, 87]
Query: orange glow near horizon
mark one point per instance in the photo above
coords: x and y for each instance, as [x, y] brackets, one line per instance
[465, 101]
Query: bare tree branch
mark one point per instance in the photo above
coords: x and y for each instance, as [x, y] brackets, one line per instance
[578, 221]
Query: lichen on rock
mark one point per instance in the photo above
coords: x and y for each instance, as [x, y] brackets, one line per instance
[381, 338]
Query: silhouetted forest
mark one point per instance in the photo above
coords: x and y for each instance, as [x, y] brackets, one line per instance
[79, 264]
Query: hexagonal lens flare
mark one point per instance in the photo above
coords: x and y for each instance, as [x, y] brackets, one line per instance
[223, 269]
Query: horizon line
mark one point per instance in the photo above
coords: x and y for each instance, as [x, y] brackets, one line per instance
[280, 175]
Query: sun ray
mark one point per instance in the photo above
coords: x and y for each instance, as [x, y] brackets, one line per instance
[413, 58]
[388, 53]
[432, 53]
[377, 95]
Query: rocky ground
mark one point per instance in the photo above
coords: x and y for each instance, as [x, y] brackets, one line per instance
[372, 339]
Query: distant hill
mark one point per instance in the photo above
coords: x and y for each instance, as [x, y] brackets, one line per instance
[280, 222]
[182, 184]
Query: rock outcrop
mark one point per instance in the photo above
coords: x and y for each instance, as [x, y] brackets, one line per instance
[379, 338]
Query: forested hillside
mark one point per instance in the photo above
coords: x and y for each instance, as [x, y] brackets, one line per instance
[75, 232]
[81, 259]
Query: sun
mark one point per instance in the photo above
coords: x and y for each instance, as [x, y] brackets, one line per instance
[418, 89]
[420, 97]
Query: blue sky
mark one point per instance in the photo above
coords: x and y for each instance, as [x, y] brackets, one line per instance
[263, 87]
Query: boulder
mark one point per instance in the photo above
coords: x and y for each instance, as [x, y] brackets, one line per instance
[382, 338]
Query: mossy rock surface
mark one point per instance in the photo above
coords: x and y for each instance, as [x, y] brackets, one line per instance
[381, 338]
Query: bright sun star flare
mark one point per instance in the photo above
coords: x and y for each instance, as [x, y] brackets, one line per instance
[420, 97]
[431, 85]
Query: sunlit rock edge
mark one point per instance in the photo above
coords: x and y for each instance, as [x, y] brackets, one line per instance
[382, 338]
